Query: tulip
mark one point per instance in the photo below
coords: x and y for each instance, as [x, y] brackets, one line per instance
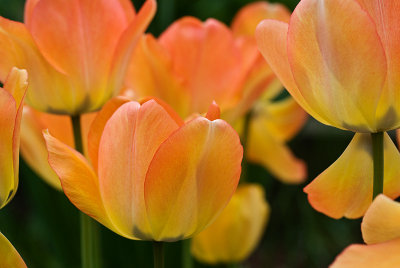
[9, 257]
[193, 63]
[273, 123]
[11, 98]
[234, 235]
[381, 231]
[33, 146]
[76, 52]
[151, 176]
[338, 59]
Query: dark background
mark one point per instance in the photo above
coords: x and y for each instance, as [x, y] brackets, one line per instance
[44, 226]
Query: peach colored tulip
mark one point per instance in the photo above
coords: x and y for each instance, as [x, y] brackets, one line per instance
[11, 98]
[76, 52]
[381, 231]
[33, 146]
[152, 176]
[9, 257]
[234, 235]
[194, 63]
[339, 60]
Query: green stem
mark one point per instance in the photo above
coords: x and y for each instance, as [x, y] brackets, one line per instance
[377, 156]
[234, 265]
[245, 137]
[187, 260]
[158, 249]
[90, 232]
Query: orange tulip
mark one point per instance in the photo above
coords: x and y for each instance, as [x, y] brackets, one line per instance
[381, 231]
[9, 257]
[11, 98]
[33, 146]
[193, 63]
[152, 176]
[76, 52]
[338, 59]
[234, 235]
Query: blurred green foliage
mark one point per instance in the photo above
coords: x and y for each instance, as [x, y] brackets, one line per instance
[44, 226]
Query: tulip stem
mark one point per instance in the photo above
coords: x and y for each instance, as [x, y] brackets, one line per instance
[90, 232]
[377, 155]
[158, 249]
[187, 260]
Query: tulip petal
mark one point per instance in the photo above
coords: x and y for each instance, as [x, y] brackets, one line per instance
[282, 119]
[207, 59]
[234, 235]
[124, 157]
[345, 188]
[19, 49]
[127, 43]
[150, 74]
[246, 20]
[9, 257]
[80, 33]
[11, 99]
[384, 255]
[191, 178]
[381, 221]
[33, 145]
[271, 39]
[338, 62]
[97, 127]
[265, 149]
[214, 112]
[387, 21]
[78, 180]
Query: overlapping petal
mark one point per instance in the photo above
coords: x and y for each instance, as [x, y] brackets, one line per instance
[236, 232]
[184, 195]
[11, 103]
[345, 188]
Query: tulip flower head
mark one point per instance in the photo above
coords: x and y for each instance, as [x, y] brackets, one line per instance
[381, 231]
[11, 98]
[76, 52]
[152, 176]
[233, 236]
[193, 63]
[339, 60]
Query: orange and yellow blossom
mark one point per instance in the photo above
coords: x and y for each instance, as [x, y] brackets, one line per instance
[76, 52]
[381, 231]
[11, 105]
[234, 235]
[339, 60]
[194, 63]
[152, 176]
